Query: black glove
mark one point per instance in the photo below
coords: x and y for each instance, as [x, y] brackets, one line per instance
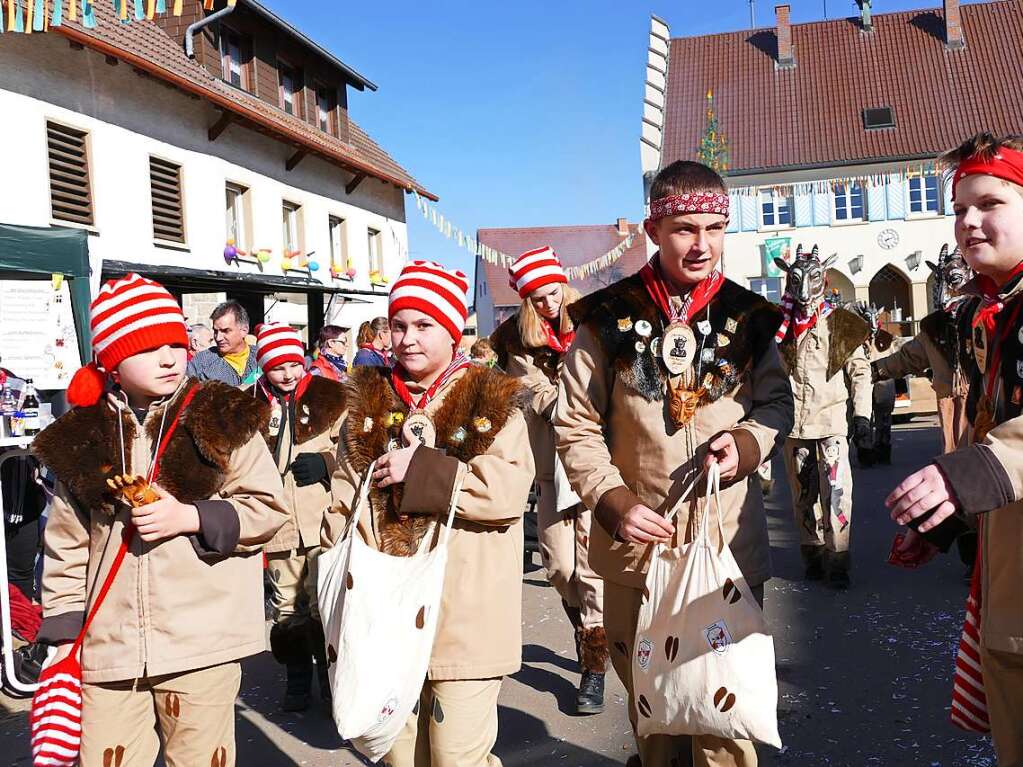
[308, 469]
[861, 431]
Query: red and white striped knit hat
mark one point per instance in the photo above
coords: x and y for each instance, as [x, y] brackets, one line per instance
[534, 269]
[435, 291]
[129, 316]
[277, 344]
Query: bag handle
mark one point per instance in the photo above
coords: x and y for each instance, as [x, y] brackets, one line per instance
[128, 534]
[712, 498]
[363, 497]
[455, 490]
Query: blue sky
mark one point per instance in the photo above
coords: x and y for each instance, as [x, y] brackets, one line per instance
[523, 113]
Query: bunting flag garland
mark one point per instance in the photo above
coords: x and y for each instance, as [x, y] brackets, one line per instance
[827, 186]
[30, 16]
[494, 256]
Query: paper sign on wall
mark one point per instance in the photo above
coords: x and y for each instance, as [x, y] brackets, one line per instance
[38, 339]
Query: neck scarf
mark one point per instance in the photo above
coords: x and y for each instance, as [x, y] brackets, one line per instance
[238, 360]
[698, 297]
[990, 303]
[338, 362]
[803, 321]
[557, 340]
[460, 362]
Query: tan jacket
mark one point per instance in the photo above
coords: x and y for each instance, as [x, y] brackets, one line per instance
[930, 349]
[618, 442]
[318, 416]
[987, 477]
[184, 603]
[537, 370]
[479, 633]
[833, 346]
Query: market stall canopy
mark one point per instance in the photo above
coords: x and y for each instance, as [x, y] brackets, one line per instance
[28, 252]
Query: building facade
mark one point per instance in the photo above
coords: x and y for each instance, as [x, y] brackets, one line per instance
[831, 129]
[235, 172]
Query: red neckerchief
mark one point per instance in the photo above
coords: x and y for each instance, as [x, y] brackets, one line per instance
[700, 295]
[991, 305]
[270, 392]
[460, 362]
[558, 342]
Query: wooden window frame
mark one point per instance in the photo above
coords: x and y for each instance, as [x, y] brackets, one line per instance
[377, 236]
[244, 46]
[243, 229]
[298, 88]
[298, 243]
[332, 113]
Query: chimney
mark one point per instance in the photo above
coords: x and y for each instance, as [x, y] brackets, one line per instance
[865, 15]
[953, 26]
[623, 227]
[786, 57]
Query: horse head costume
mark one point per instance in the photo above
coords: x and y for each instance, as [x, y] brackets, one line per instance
[806, 282]
[950, 274]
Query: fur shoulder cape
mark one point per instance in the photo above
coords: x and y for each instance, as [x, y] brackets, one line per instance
[473, 412]
[507, 340]
[943, 329]
[318, 408]
[847, 331]
[742, 324]
[83, 448]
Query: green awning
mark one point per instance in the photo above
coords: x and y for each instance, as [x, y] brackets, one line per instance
[30, 252]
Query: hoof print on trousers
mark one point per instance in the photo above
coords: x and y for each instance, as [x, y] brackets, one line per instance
[219, 758]
[644, 706]
[172, 705]
[724, 700]
[331, 654]
[113, 757]
[620, 647]
[671, 649]
[421, 618]
[349, 581]
[438, 712]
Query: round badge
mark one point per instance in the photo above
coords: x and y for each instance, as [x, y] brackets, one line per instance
[418, 428]
[640, 347]
[655, 347]
[274, 427]
[644, 329]
[678, 348]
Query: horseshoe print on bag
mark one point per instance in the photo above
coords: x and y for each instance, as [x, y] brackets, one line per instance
[724, 700]
[172, 705]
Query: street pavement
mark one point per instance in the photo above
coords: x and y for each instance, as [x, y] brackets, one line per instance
[864, 675]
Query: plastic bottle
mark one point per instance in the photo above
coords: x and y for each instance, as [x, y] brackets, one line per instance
[30, 407]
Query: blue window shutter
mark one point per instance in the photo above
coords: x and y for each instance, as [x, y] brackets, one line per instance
[877, 205]
[750, 215]
[804, 209]
[822, 208]
[896, 196]
[734, 214]
[946, 183]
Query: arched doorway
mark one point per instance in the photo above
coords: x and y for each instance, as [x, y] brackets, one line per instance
[838, 281]
[890, 290]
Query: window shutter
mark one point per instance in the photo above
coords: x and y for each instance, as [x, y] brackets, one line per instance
[896, 196]
[877, 205]
[168, 214]
[804, 209]
[750, 220]
[822, 208]
[946, 185]
[735, 214]
[70, 188]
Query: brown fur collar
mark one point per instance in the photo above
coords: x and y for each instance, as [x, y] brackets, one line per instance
[942, 328]
[318, 408]
[847, 332]
[479, 393]
[754, 322]
[83, 447]
[507, 340]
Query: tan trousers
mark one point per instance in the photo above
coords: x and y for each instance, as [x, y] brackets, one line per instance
[621, 613]
[293, 590]
[820, 479]
[454, 725]
[192, 713]
[1003, 685]
[564, 549]
[952, 415]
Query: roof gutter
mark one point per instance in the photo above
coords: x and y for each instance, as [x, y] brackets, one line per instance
[223, 102]
[193, 28]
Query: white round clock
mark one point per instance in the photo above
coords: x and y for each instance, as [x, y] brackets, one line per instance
[888, 239]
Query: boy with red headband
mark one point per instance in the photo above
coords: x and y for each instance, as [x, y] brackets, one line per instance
[302, 435]
[160, 661]
[672, 369]
[434, 423]
[986, 478]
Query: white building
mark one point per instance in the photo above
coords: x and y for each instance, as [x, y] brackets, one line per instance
[163, 160]
[832, 128]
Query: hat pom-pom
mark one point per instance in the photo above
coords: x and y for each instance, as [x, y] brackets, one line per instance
[86, 386]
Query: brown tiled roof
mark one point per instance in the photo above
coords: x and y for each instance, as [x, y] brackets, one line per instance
[810, 115]
[574, 245]
[147, 47]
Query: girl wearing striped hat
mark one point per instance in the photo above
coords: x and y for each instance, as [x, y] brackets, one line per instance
[160, 657]
[531, 346]
[433, 422]
[302, 435]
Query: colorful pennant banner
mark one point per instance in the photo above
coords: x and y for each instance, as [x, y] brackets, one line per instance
[29, 16]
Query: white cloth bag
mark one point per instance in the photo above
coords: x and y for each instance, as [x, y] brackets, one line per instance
[379, 617]
[703, 662]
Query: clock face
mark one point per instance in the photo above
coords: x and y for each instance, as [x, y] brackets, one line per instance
[888, 239]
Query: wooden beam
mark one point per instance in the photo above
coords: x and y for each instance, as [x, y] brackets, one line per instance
[226, 118]
[294, 160]
[352, 185]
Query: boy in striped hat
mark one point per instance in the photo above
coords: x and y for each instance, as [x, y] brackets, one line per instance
[302, 435]
[160, 660]
[434, 423]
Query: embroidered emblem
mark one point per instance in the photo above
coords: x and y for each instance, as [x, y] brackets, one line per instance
[640, 347]
[624, 324]
[395, 418]
[707, 356]
[418, 428]
[644, 329]
[731, 325]
[393, 444]
[367, 425]
[644, 650]
[708, 379]
[723, 340]
[388, 709]
[718, 637]
[482, 424]
[678, 348]
[458, 435]
[703, 326]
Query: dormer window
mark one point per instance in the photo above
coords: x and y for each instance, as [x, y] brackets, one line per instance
[234, 56]
[878, 118]
[291, 89]
[326, 107]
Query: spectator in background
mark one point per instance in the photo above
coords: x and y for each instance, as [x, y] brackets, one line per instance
[374, 344]
[332, 360]
[482, 353]
[200, 338]
[232, 360]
